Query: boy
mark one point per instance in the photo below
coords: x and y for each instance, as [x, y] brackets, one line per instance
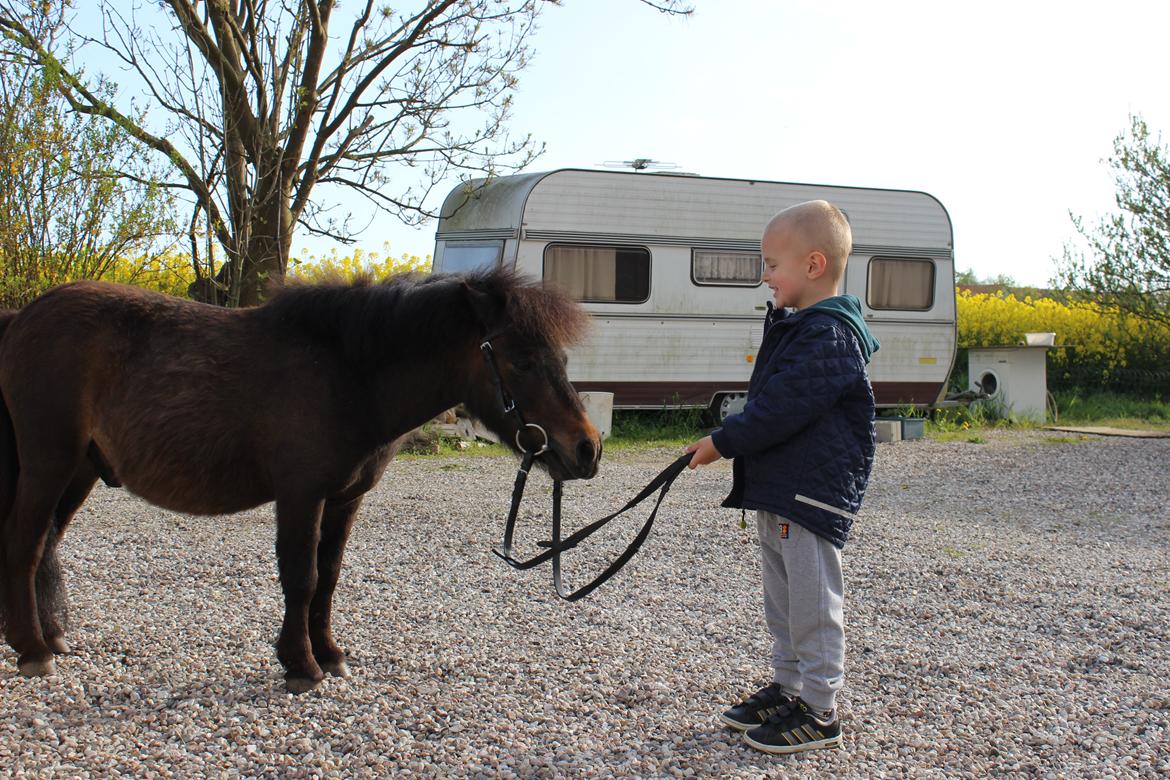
[803, 449]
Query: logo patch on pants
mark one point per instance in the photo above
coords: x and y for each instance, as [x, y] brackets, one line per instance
[784, 530]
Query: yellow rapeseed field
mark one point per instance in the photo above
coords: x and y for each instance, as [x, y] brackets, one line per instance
[171, 272]
[1094, 342]
[378, 265]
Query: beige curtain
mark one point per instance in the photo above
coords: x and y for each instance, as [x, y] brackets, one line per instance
[725, 268]
[900, 284]
[586, 273]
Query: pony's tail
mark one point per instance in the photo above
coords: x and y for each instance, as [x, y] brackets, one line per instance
[9, 468]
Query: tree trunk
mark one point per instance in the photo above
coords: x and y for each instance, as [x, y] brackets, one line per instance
[264, 256]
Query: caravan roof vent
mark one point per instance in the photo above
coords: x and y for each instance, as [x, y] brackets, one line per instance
[641, 164]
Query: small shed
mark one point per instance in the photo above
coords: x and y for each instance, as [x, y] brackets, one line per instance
[1014, 376]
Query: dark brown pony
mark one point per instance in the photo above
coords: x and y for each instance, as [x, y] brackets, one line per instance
[302, 401]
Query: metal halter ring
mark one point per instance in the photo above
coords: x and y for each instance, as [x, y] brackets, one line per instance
[543, 447]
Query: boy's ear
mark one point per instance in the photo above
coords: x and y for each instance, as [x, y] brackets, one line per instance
[817, 264]
[486, 305]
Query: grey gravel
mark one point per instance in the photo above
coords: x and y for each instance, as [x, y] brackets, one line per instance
[1008, 612]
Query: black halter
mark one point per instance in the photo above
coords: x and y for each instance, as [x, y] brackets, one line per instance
[510, 408]
[557, 545]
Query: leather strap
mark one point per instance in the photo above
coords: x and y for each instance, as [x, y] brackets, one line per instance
[557, 545]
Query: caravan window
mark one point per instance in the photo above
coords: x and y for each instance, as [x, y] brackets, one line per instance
[739, 269]
[462, 257]
[900, 283]
[600, 274]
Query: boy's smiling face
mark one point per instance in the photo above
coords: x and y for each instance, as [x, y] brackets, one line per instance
[786, 268]
[796, 246]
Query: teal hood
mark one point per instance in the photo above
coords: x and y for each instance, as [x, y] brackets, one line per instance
[847, 308]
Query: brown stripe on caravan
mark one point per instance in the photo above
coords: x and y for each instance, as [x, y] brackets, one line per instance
[655, 395]
[899, 393]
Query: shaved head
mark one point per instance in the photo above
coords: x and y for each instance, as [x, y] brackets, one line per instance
[817, 226]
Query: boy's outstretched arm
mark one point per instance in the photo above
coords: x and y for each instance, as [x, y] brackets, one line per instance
[705, 452]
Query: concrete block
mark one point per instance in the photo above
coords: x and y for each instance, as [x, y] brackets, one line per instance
[888, 430]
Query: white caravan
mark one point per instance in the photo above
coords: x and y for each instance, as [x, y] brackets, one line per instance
[669, 267]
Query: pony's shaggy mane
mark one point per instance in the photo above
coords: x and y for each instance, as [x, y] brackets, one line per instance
[379, 319]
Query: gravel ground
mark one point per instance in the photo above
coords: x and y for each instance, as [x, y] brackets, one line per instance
[1007, 611]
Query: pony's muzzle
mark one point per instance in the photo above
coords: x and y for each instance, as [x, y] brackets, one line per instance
[588, 453]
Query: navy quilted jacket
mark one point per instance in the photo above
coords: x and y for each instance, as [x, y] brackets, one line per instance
[804, 443]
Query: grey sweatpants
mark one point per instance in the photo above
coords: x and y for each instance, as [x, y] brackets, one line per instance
[803, 598]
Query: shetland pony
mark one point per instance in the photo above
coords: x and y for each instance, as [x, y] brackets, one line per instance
[302, 401]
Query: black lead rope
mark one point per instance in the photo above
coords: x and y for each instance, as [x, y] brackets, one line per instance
[557, 545]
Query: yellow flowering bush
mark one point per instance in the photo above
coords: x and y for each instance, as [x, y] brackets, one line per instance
[1096, 345]
[169, 272]
[311, 268]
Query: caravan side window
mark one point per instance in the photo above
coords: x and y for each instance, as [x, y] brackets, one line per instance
[737, 269]
[900, 283]
[467, 256]
[600, 274]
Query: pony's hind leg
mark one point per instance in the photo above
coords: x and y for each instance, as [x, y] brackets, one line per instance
[298, 530]
[335, 527]
[26, 532]
[52, 603]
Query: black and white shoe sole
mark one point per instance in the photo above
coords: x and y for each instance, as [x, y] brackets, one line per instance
[735, 724]
[818, 744]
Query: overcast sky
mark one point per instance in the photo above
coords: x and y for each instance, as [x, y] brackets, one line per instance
[1004, 111]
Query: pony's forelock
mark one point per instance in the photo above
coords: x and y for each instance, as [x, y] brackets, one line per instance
[547, 314]
[537, 312]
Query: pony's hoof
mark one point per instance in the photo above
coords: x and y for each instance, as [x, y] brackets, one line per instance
[58, 645]
[300, 684]
[338, 669]
[38, 668]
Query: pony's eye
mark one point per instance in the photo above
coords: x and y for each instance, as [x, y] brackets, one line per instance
[523, 364]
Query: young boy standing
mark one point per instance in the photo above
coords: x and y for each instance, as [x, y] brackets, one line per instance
[803, 449]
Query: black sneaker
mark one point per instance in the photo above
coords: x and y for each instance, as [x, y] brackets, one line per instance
[761, 705]
[794, 731]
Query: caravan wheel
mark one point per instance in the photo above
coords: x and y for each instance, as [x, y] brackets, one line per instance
[724, 405]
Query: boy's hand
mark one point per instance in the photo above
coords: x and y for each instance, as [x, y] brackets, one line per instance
[705, 452]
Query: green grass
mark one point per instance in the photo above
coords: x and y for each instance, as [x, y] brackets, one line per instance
[1063, 439]
[1097, 409]
[448, 447]
[968, 436]
[644, 429]
[1113, 410]
[637, 428]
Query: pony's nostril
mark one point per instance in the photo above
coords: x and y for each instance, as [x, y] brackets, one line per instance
[586, 453]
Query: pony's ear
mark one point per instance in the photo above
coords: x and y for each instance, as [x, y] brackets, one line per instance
[486, 305]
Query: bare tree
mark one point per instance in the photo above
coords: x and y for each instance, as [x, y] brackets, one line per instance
[258, 103]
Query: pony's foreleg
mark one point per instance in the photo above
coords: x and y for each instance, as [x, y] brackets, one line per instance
[298, 531]
[52, 603]
[335, 526]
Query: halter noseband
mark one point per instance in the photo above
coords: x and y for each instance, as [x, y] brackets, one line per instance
[508, 402]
